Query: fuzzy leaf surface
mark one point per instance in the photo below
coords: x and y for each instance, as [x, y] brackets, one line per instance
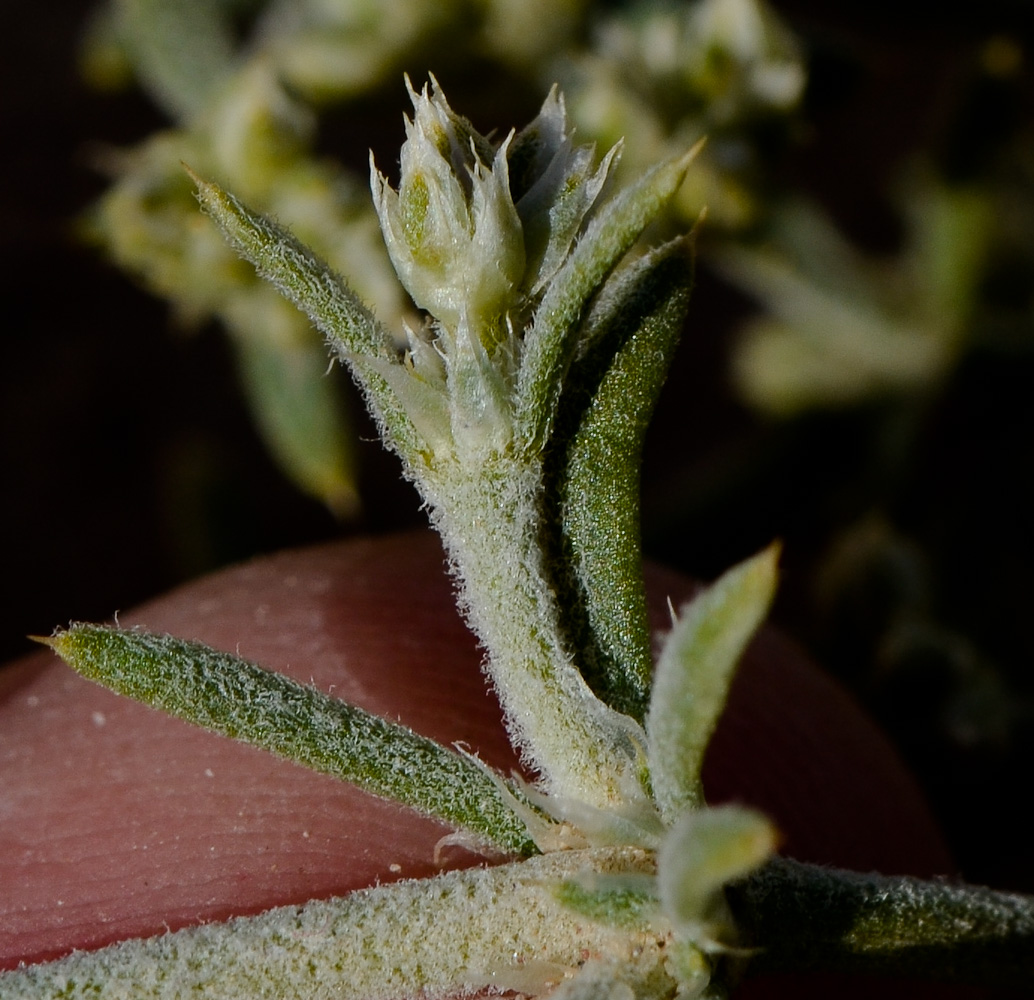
[231, 696]
[613, 391]
[499, 928]
[323, 295]
[694, 671]
[552, 340]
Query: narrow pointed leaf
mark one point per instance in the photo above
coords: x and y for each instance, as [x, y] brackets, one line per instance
[808, 918]
[322, 294]
[603, 420]
[231, 696]
[694, 671]
[551, 343]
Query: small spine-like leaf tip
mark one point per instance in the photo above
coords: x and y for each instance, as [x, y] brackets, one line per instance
[210, 196]
[213, 199]
[193, 175]
[52, 641]
[693, 152]
[766, 564]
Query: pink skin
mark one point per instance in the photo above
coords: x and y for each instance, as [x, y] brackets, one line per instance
[120, 822]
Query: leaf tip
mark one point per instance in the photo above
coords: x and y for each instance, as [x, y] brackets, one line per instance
[192, 173]
[58, 642]
[681, 164]
[209, 194]
[692, 153]
[767, 561]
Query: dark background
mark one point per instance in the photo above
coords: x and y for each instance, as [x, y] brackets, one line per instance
[130, 464]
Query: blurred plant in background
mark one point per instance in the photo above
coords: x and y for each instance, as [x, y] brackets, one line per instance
[839, 329]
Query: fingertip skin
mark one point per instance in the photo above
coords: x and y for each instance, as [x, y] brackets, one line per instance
[121, 822]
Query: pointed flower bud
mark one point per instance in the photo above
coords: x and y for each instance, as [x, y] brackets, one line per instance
[452, 230]
[556, 188]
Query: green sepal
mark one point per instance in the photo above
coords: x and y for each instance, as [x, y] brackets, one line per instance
[613, 388]
[553, 338]
[227, 695]
[694, 672]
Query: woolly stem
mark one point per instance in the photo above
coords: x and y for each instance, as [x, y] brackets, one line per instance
[489, 521]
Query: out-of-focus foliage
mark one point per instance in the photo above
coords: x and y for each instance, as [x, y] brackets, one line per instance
[840, 328]
[661, 76]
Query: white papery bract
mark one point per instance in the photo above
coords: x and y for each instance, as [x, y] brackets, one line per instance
[451, 229]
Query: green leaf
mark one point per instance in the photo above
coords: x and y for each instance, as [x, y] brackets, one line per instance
[694, 671]
[705, 849]
[550, 344]
[617, 900]
[809, 918]
[231, 696]
[324, 296]
[300, 414]
[603, 418]
[496, 929]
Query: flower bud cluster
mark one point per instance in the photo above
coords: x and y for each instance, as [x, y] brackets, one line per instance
[475, 231]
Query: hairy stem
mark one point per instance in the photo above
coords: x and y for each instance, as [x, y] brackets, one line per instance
[490, 523]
